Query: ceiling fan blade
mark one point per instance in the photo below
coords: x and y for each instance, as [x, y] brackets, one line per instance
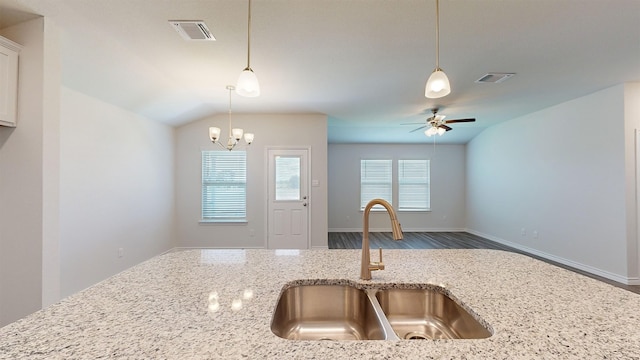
[420, 128]
[459, 121]
[445, 127]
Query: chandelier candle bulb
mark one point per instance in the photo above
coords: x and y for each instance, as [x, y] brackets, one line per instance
[237, 134]
[214, 133]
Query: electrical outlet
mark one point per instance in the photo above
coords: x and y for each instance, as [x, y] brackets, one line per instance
[523, 232]
[120, 252]
[535, 234]
[252, 232]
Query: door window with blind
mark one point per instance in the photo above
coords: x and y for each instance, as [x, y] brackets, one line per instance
[224, 186]
[408, 181]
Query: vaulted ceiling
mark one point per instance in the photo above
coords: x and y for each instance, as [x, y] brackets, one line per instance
[364, 63]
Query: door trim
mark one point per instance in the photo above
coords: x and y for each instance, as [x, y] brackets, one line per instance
[266, 191]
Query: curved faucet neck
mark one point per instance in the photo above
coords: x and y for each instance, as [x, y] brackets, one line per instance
[366, 266]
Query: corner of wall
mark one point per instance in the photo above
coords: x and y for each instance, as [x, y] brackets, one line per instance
[632, 176]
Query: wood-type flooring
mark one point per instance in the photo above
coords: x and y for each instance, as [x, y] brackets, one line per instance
[443, 240]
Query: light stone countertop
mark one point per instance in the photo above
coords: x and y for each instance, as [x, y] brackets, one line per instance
[164, 309]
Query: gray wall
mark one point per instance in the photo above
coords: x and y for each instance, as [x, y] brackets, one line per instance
[447, 186]
[22, 174]
[554, 183]
[53, 241]
[116, 190]
[271, 130]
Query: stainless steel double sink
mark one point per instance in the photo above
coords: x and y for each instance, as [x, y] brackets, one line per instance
[346, 312]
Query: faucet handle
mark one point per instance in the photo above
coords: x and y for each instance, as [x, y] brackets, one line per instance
[380, 264]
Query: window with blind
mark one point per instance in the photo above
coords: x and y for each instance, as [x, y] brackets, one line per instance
[408, 182]
[413, 185]
[375, 181]
[224, 186]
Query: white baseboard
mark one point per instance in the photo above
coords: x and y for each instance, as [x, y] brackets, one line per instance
[403, 229]
[590, 269]
[181, 248]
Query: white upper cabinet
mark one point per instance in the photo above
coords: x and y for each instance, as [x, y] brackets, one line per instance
[8, 81]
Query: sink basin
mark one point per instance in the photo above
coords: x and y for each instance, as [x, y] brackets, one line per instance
[345, 312]
[326, 312]
[428, 314]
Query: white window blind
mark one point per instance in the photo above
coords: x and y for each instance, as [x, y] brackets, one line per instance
[413, 185]
[375, 181]
[224, 186]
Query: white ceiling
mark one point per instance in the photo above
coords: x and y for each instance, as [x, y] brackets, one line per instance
[364, 63]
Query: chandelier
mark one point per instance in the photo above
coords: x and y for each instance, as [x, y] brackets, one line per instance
[234, 134]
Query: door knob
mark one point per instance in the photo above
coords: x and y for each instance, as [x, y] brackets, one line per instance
[304, 204]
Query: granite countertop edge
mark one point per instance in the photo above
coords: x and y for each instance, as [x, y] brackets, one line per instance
[217, 304]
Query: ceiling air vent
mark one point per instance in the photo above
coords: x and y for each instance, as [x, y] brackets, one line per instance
[494, 78]
[192, 30]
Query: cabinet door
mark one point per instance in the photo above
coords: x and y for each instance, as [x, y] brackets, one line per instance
[8, 82]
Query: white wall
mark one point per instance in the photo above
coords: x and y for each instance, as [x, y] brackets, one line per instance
[561, 172]
[21, 182]
[632, 161]
[51, 165]
[271, 130]
[447, 186]
[117, 183]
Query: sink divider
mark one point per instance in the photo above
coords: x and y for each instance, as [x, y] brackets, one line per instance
[389, 333]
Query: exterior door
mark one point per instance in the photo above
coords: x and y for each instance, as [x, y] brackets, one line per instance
[288, 203]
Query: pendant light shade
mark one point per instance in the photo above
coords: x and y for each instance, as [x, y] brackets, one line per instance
[248, 85]
[438, 83]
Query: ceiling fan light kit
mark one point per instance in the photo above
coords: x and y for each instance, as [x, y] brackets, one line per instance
[248, 85]
[435, 130]
[438, 83]
[436, 124]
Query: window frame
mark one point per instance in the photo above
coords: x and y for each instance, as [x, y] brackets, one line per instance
[387, 182]
[413, 182]
[236, 213]
[395, 194]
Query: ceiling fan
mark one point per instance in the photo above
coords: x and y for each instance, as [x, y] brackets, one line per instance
[437, 125]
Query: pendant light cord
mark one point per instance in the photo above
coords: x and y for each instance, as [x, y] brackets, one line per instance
[249, 37]
[437, 34]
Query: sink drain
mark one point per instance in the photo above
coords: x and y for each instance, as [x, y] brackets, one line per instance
[415, 336]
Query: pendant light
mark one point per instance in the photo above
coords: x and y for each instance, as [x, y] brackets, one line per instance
[438, 83]
[234, 134]
[248, 85]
